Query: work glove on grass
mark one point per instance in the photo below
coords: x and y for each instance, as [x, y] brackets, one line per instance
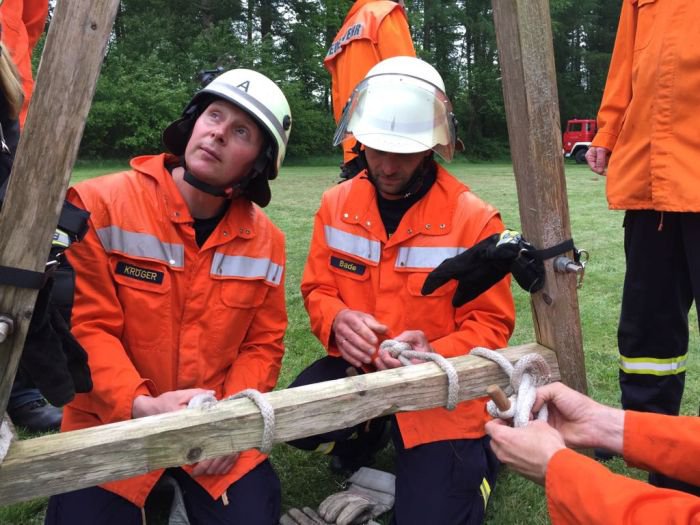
[304, 516]
[370, 493]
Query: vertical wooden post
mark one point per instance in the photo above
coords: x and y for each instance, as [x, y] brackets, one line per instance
[526, 55]
[70, 65]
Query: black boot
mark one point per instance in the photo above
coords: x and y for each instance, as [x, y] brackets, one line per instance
[36, 416]
[350, 455]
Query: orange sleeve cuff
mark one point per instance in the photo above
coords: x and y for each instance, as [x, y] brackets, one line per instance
[604, 139]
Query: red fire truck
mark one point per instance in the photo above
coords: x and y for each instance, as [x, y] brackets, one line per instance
[577, 138]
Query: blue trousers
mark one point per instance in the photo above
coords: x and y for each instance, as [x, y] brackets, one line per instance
[440, 483]
[253, 500]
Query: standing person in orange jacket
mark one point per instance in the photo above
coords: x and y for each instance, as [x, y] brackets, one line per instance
[23, 23]
[373, 30]
[580, 490]
[649, 133]
[375, 240]
[179, 292]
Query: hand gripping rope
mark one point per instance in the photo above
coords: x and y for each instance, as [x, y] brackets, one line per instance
[529, 372]
[200, 400]
[266, 411]
[404, 353]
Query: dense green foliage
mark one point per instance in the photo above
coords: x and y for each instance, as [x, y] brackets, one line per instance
[159, 46]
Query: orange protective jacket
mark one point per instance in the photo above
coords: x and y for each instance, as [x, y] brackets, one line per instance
[22, 25]
[582, 491]
[648, 116]
[156, 313]
[352, 264]
[373, 30]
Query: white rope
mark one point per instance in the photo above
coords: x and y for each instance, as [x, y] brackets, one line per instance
[529, 372]
[404, 353]
[266, 411]
[7, 434]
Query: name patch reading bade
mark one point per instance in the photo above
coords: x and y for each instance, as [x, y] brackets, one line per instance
[348, 266]
[142, 274]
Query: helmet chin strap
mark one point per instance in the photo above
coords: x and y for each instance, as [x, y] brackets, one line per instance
[258, 169]
[238, 187]
[201, 185]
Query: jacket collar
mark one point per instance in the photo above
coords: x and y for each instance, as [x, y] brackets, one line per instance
[359, 4]
[239, 220]
[432, 215]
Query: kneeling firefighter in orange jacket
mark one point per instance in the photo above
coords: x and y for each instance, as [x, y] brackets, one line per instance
[180, 292]
[376, 238]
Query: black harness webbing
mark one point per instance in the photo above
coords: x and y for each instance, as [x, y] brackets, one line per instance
[72, 221]
[20, 278]
[552, 251]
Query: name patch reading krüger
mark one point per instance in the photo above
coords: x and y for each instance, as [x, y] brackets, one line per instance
[142, 274]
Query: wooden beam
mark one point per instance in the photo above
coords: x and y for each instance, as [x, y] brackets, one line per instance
[83, 458]
[70, 65]
[526, 55]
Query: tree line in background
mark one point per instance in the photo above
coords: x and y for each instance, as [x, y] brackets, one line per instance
[158, 47]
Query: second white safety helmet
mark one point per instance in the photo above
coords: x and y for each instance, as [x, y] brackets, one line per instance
[400, 107]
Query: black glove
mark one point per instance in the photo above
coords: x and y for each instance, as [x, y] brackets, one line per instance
[484, 264]
[52, 357]
[76, 356]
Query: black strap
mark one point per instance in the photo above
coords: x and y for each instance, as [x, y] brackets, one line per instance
[553, 251]
[20, 278]
[74, 221]
[203, 186]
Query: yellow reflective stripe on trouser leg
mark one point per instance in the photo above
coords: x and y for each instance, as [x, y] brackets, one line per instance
[485, 489]
[325, 448]
[654, 366]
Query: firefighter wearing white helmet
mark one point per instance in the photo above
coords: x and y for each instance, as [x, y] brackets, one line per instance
[376, 238]
[401, 107]
[180, 293]
[260, 98]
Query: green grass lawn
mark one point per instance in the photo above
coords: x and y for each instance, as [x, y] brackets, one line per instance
[296, 194]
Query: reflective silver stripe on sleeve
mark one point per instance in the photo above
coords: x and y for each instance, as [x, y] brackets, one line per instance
[352, 244]
[246, 267]
[115, 239]
[425, 256]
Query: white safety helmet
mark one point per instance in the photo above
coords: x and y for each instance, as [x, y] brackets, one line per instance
[263, 100]
[400, 107]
